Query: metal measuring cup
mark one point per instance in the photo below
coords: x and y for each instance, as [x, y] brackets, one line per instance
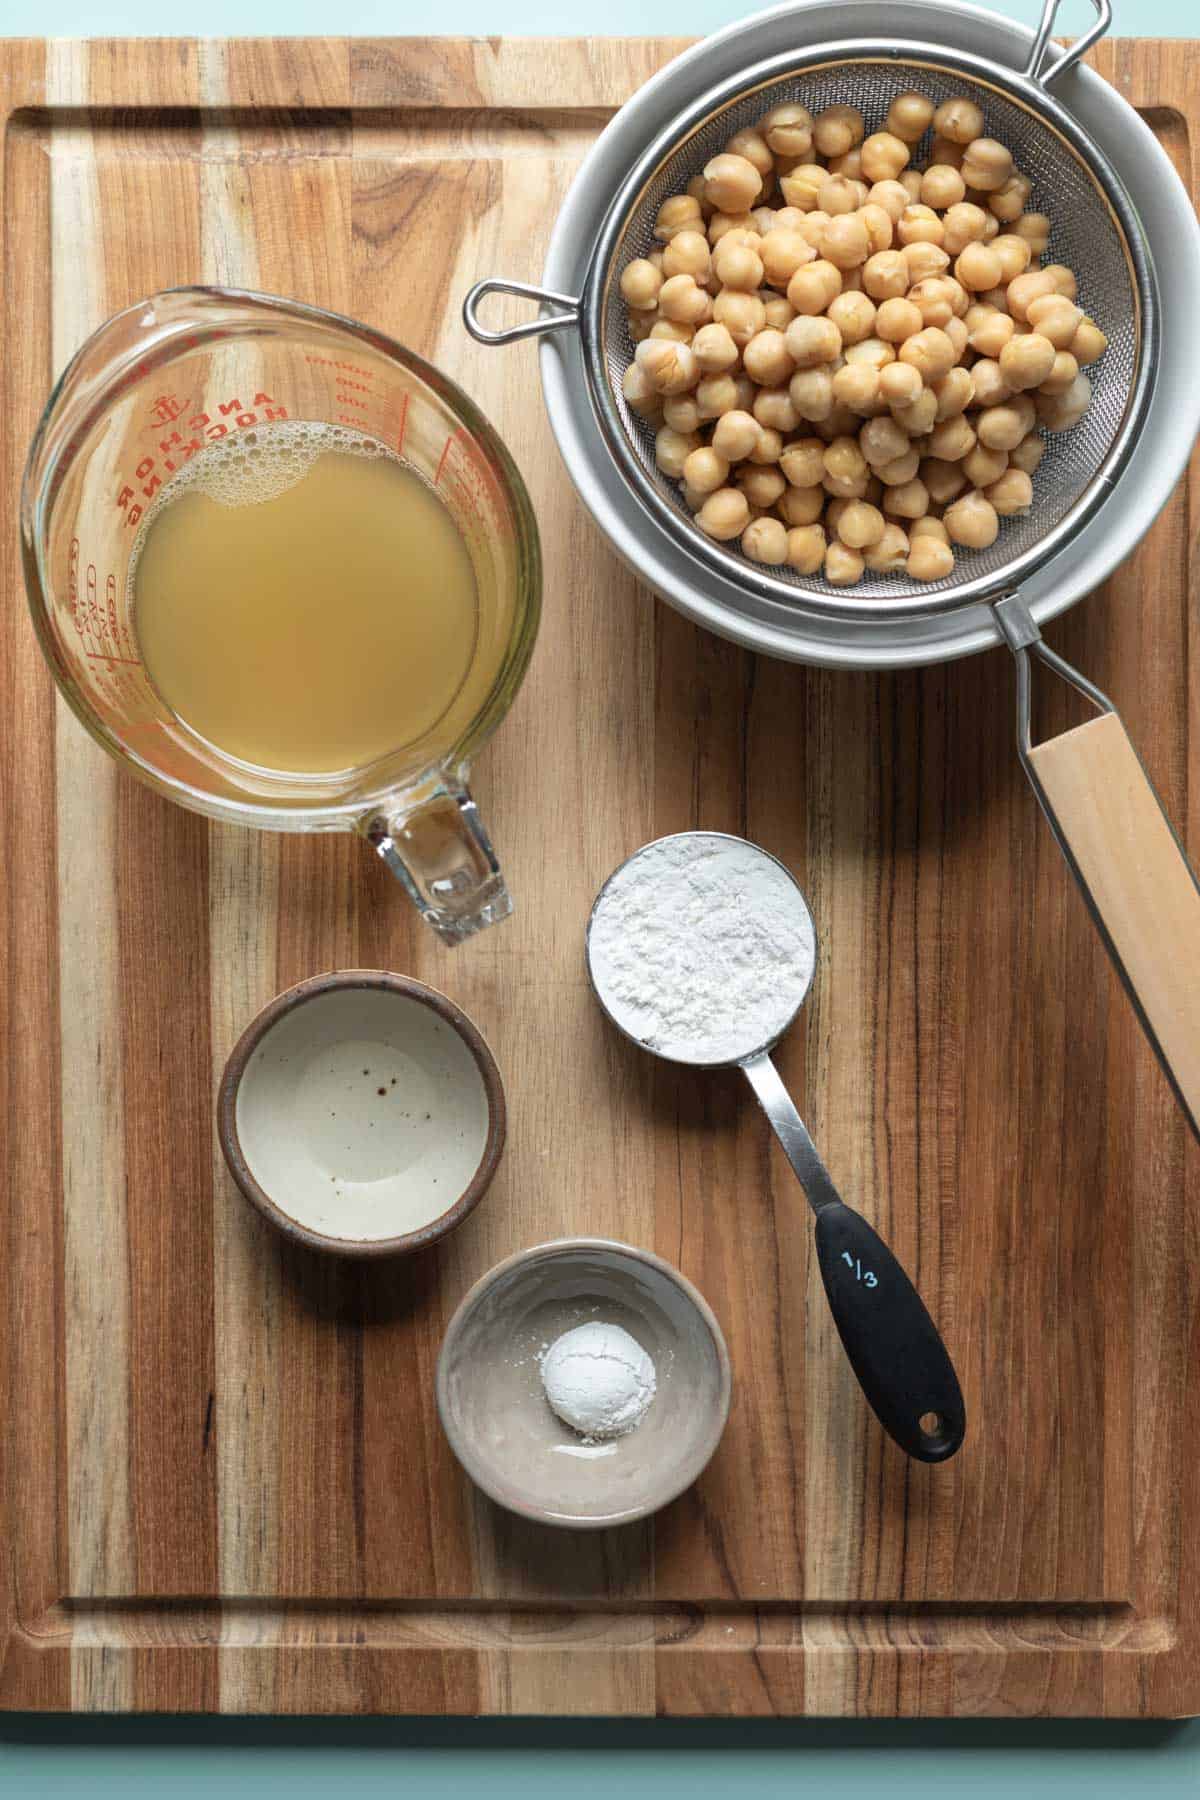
[892, 1343]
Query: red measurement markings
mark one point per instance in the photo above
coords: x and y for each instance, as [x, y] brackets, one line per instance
[403, 425]
[130, 662]
[445, 453]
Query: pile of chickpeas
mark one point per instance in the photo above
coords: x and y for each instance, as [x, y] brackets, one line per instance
[847, 358]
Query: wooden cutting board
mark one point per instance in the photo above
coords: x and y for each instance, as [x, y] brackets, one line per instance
[224, 1482]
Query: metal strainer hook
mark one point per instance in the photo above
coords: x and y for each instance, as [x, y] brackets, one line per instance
[1067, 58]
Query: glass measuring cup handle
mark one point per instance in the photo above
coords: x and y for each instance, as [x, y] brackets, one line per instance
[441, 855]
[891, 1343]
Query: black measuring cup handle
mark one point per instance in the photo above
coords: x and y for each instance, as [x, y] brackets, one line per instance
[893, 1345]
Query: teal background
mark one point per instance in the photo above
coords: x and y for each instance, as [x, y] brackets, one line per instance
[45, 1758]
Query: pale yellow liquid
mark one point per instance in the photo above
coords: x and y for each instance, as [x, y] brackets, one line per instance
[325, 617]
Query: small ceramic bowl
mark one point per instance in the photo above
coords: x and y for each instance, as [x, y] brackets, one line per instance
[495, 1412]
[362, 1113]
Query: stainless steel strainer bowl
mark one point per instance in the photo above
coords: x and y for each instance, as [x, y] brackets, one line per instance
[1087, 154]
[1095, 232]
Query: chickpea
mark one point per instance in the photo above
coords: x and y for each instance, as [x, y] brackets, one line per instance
[959, 119]
[989, 331]
[910, 501]
[786, 218]
[744, 391]
[833, 512]
[972, 521]
[877, 222]
[920, 417]
[887, 555]
[811, 393]
[803, 462]
[978, 268]
[812, 228]
[735, 435]
[933, 300]
[890, 196]
[899, 384]
[765, 541]
[764, 218]
[844, 461]
[956, 331]
[854, 316]
[930, 352]
[881, 441]
[742, 315]
[641, 324]
[801, 185]
[987, 165]
[983, 466]
[1013, 253]
[716, 395]
[954, 392]
[964, 223]
[1028, 453]
[1055, 317]
[991, 389]
[704, 471]
[811, 341]
[861, 525]
[732, 183]
[672, 449]
[782, 253]
[682, 413]
[925, 261]
[1012, 493]
[813, 287]
[897, 320]
[723, 225]
[941, 187]
[737, 267]
[1026, 361]
[929, 559]
[669, 368]
[692, 499]
[919, 224]
[872, 351]
[849, 165]
[1035, 229]
[910, 181]
[673, 331]
[1002, 427]
[769, 446]
[753, 148]
[856, 387]
[1089, 343]
[945, 152]
[951, 441]
[687, 254]
[836, 195]
[1063, 372]
[838, 129]
[641, 396]
[883, 156]
[683, 302]
[766, 358]
[1007, 202]
[930, 526]
[844, 242]
[900, 470]
[1063, 279]
[724, 514]
[909, 116]
[843, 566]
[640, 284]
[774, 410]
[680, 213]
[886, 276]
[943, 477]
[714, 349]
[695, 191]
[788, 129]
[1027, 288]
[1058, 412]
[806, 549]
[778, 312]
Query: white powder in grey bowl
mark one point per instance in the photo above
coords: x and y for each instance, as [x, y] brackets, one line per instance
[702, 947]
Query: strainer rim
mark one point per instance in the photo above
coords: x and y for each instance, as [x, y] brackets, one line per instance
[1032, 95]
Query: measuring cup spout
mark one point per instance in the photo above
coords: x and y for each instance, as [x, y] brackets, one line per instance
[443, 858]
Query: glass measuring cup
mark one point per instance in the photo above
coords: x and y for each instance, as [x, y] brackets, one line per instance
[891, 1342]
[195, 366]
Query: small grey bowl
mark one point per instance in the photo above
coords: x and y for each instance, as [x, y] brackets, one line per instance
[495, 1413]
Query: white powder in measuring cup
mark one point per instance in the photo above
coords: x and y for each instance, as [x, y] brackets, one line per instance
[702, 947]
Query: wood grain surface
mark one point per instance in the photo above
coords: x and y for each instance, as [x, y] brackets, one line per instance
[223, 1480]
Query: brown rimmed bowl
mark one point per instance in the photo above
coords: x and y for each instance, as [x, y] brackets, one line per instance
[494, 1409]
[353, 1104]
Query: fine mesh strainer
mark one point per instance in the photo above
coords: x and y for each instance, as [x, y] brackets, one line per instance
[1089, 781]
